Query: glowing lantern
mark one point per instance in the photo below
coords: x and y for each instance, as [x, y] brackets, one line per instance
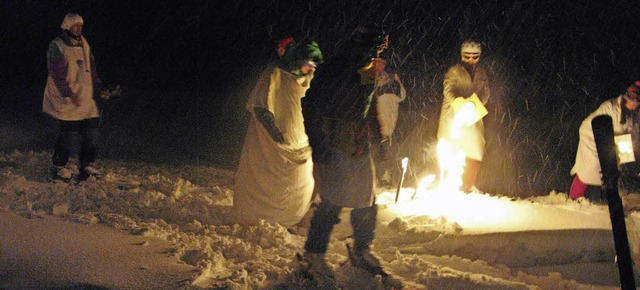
[625, 148]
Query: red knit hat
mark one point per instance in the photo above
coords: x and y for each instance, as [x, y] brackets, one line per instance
[283, 44]
[634, 88]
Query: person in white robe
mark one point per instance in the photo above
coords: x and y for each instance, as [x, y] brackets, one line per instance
[274, 180]
[586, 169]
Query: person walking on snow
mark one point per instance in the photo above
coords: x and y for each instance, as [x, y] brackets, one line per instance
[68, 97]
[586, 169]
[274, 181]
[462, 80]
[339, 120]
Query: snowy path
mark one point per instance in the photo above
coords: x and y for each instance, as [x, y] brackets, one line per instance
[48, 252]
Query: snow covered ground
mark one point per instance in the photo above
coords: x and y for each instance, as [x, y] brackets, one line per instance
[435, 240]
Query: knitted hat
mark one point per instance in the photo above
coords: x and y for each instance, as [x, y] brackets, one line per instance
[70, 20]
[313, 52]
[302, 51]
[283, 44]
[470, 47]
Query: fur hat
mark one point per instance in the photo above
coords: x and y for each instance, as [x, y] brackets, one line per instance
[471, 47]
[70, 20]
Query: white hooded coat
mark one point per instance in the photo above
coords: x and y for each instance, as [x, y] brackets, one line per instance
[275, 181]
[587, 164]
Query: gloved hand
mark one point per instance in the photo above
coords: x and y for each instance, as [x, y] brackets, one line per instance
[265, 117]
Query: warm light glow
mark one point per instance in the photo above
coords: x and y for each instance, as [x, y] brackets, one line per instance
[624, 145]
[473, 210]
[466, 114]
[405, 164]
[451, 163]
[451, 158]
[426, 182]
[441, 197]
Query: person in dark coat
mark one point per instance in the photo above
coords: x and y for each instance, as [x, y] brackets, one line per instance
[340, 121]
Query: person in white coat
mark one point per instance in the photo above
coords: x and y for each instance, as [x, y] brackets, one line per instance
[274, 181]
[462, 80]
[586, 169]
[68, 97]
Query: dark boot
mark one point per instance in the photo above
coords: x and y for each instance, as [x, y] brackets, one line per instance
[322, 222]
[315, 265]
[362, 257]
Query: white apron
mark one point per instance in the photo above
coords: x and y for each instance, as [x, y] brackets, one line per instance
[81, 84]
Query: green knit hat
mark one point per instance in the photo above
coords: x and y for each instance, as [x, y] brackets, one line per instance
[296, 52]
[313, 52]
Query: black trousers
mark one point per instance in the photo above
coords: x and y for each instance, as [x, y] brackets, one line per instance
[363, 223]
[88, 132]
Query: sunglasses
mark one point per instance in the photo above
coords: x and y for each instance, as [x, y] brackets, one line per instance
[468, 57]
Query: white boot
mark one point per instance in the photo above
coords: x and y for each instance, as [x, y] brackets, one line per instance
[61, 173]
[89, 171]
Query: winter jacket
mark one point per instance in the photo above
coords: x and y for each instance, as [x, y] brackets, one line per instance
[338, 121]
[458, 82]
[68, 94]
[587, 164]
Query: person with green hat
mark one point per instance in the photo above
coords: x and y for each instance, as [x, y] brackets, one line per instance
[274, 180]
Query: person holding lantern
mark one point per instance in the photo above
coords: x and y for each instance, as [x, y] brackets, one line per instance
[465, 81]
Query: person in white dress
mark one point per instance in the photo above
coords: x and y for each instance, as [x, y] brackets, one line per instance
[274, 180]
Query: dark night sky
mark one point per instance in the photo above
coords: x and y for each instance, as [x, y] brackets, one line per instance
[185, 67]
